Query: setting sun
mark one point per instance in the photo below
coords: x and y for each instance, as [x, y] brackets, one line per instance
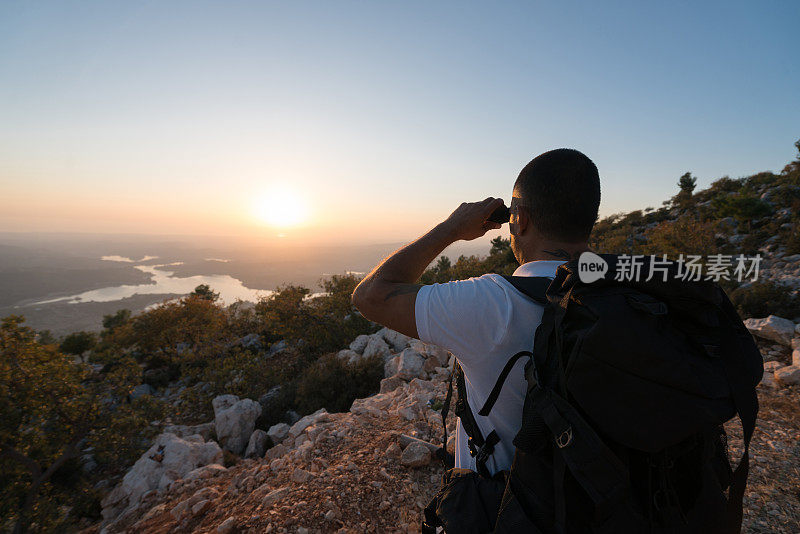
[280, 208]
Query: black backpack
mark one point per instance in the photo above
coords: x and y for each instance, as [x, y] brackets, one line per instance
[629, 384]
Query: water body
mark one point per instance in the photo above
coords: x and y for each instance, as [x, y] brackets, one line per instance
[127, 260]
[163, 281]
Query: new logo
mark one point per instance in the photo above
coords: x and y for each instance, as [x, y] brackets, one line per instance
[591, 267]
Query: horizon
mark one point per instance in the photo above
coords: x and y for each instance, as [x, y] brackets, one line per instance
[353, 124]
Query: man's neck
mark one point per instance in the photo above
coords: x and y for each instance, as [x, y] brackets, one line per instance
[556, 252]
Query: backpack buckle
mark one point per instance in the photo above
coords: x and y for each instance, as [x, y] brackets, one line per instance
[565, 438]
[482, 453]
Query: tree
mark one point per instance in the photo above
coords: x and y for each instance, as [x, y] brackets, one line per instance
[687, 183]
[793, 166]
[110, 322]
[204, 291]
[77, 343]
[51, 409]
[46, 337]
[45, 413]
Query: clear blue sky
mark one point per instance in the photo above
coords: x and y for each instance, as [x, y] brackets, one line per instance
[171, 117]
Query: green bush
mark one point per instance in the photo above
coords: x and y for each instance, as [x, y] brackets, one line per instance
[334, 384]
[765, 298]
[324, 323]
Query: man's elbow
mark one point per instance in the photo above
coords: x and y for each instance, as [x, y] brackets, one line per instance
[360, 298]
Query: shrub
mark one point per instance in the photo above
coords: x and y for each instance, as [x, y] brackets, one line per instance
[683, 236]
[765, 298]
[334, 384]
[743, 208]
[324, 323]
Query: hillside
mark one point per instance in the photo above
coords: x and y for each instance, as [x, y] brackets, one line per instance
[352, 472]
[289, 415]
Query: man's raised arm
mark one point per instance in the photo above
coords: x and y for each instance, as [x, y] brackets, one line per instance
[387, 295]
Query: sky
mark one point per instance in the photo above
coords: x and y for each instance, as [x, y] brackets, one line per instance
[371, 121]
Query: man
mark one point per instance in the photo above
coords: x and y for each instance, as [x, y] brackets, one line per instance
[484, 321]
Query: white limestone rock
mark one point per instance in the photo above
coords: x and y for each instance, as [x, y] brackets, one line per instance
[773, 328]
[435, 351]
[391, 383]
[206, 430]
[319, 416]
[416, 455]
[235, 421]
[169, 459]
[257, 445]
[788, 376]
[410, 364]
[360, 343]
[396, 340]
[227, 527]
[277, 432]
[376, 346]
[390, 367]
[207, 471]
[349, 356]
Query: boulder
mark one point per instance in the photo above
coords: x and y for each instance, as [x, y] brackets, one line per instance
[348, 356]
[396, 340]
[773, 328]
[227, 527]
[202, 495]
[359, 344]
[301, 476]
[788, 376]
[320, 415]
[430, 365]
[207, 471]
[390, 367]
[169, 459]
[410, 364]
[277, 432]
[796, 357]
[250, 341]
[235, 421]
[376, 346]
[437, 352]
[416, 455]
[141, 390]
[277, 451]
[257, 445]
[205, 430]
[391, 383]
[277, 347]
[271, 398]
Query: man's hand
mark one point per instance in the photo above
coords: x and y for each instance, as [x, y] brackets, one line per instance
[388, 294]
[469, 220]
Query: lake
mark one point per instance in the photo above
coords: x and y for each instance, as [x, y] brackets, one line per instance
[164, 281]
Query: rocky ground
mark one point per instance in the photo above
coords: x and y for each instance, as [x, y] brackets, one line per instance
[362, 472]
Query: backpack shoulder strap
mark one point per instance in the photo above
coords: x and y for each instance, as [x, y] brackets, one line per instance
[534, 287]
[480, 447]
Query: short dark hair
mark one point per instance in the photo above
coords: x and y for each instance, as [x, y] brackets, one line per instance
[561, 191]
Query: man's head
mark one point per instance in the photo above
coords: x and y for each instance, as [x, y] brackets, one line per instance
[556, 198]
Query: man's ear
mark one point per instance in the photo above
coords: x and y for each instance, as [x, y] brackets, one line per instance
[522, 221]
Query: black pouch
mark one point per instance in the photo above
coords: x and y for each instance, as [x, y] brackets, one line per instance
[466, 503]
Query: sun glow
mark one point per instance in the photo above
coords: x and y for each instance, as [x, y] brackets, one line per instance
[281, 208]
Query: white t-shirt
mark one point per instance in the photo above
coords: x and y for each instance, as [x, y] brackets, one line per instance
[484, 321]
